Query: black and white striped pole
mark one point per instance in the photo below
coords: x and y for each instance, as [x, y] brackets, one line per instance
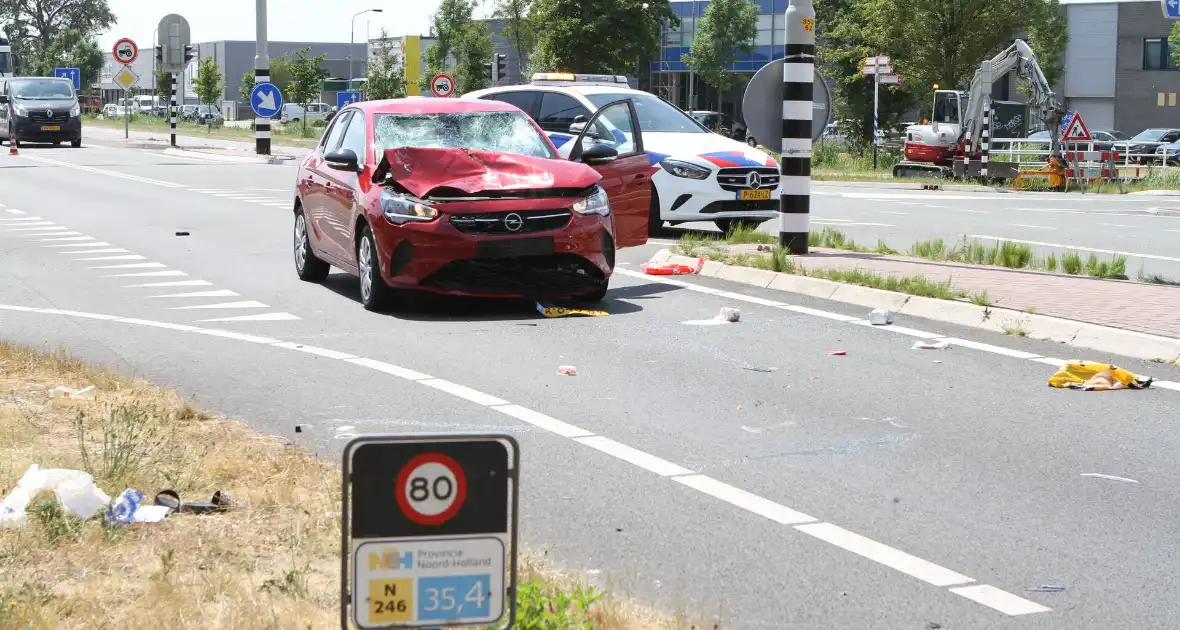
[261, 75]
[985, 140]
[794, 221]
[172, 108]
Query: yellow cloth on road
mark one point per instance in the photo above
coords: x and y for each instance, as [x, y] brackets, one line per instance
[1096, 377]
[558, 311]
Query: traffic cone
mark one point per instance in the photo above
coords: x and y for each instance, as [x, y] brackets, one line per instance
[12, 144]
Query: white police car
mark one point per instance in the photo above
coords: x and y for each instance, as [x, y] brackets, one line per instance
[697, 175]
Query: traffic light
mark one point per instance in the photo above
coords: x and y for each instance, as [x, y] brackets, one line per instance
[159, 55]
[491, 72]
[499, 71]
[190, 53]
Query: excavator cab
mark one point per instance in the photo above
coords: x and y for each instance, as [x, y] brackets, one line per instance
[948, 108]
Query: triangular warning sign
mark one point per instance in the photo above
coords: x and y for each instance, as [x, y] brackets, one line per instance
[1076, 131]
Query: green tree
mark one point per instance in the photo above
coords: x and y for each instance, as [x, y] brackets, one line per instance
[473, 53]
[307, 79]
[164, 87]
[247, 87]
[519, 27]
[384, 78]
[1048, 33]
[449, 26]
[34, 25]
[726, 31]
[210, 82]
[598, 36]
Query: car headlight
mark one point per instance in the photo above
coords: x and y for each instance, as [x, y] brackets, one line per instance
[685, 169]
[596, 203]
[20, 110]
[76, 111]
[400, 210]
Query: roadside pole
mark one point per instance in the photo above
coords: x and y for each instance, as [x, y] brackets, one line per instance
[172, 110]
[798, 95]
[876, 100]
[261, 75]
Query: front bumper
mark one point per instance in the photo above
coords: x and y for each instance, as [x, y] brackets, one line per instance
[440, 258]
[683, 199]
[30, 131]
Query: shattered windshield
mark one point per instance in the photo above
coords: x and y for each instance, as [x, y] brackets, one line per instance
[502, 132]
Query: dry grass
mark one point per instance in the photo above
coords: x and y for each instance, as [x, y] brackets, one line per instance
[271, 563]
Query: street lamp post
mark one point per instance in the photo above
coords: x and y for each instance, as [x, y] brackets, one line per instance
[352, 40]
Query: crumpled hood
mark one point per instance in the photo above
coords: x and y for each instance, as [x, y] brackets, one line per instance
[422, 170]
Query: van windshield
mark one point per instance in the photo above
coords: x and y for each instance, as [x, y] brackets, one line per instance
[42, 89]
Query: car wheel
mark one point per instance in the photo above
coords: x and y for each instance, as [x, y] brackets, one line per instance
[375, 294]
[307, 265]
[655, 224]
[750, 140]
[77, 144]
[595, 297]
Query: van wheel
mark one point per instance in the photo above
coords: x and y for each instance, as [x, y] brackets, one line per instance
[77, 144]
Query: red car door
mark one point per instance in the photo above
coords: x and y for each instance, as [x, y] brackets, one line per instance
[612, 144]
[344, 190]
[313, 184]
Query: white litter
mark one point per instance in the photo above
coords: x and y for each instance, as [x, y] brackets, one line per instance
[725, 316]
[1109, 477]
[66, 392]
[75, 490]
[929, 345]
[880, 317]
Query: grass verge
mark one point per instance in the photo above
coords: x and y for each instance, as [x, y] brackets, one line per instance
[912, 285]
[270, 563]
[291, 137]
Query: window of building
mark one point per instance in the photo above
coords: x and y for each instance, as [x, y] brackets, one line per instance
[1157, 54]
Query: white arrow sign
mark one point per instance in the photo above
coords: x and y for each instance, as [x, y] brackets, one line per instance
[266, 100]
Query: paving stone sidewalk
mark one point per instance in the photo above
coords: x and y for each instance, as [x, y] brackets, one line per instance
[1147, 308]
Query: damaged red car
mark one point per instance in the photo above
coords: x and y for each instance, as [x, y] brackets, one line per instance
[469, 197]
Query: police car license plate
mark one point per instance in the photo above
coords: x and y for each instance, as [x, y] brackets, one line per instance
[51, 128]
[755, 195]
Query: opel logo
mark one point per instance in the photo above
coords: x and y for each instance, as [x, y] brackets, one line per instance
[753, 180]
[513, 222]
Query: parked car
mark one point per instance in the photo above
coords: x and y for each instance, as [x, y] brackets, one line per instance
[1146, 143]
[111, 110]
[207, 115]
[724, 125]
[469, 197]
[294, 113]
[696, 175]
[41, 109]
[1103, 140]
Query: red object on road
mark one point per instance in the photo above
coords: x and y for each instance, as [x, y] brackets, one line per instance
[12, 144]
[837, 353]
[465, 197]
[671, 270]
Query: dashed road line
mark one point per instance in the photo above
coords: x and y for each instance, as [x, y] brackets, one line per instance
[14, 211]
[195, 294]
[994, 598]
[1034, 227]
[241, 304]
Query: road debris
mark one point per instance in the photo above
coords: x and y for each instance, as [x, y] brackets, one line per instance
[182, 233]
[66, 392]
[128, 508]
[346, 432]
[567, 370]
[727, 315]
[1110, 478]
[671, 270]
[75, 490]
[1096, 377]
[837, 353]
[559, 311]
[1046, 588]
[880, 317]
[761, 369]
[170, 499]
[929, 345]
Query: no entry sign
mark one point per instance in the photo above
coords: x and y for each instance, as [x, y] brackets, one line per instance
[429, 530]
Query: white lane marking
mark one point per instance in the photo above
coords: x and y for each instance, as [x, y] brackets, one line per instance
[285, 204]
[1078, 247]
[67, 233]
[904, 214]
[148, 274]
[1048, 210]
[124, 257]
[113, 250]
[1034, 227]
[930, 196]
[14, 211]
[147, 265]
[1002, 601]
[57, 311]
[463, 392]
[389, 368]
[639, 458]
[745, 500]
[537, 419]
[263, 317]
[241, 304]
[99, 171]
[30, 225]
[1049, 361]
[901, 330]
[18, 220]
[650, 463]
[984, 347]
[1119, 225]
[852, 224]
[70, 238]
[98, 244]
[323, 352]
[193, 294]
[175, 283]
[884, 554]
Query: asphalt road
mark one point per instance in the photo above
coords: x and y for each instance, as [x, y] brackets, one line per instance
[889, 488]
[1050, 222]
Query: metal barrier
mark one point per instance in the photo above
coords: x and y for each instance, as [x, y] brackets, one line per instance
[1129, 165]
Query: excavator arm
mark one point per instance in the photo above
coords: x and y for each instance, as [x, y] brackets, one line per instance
[1020, 57]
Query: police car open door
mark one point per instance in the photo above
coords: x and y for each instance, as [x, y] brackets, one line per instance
[612, 144]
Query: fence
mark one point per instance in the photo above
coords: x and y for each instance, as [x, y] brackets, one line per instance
[1129, 165]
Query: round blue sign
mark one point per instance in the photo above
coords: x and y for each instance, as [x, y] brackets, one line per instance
[266, 99]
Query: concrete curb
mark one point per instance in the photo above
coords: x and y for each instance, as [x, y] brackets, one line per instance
[238, 159]
[994, 319]
[1158, 193]
[907, 186]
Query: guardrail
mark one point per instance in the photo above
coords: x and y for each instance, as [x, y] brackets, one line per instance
[1130, 165]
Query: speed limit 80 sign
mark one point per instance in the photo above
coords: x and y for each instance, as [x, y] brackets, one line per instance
[429, 530]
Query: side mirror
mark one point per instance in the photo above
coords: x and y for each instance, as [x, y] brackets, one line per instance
[577, 128]
[598, 153]
[343, 160]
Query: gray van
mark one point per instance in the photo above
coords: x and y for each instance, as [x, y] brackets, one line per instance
[40, 109]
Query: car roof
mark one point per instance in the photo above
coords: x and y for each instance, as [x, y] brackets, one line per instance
[431, 106]
[572, 87]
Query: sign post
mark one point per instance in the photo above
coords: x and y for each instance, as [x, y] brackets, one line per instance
[442, 85]
[174, 41]
[266, 99]
[127, 79]
[261, 75]
[429, 531]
